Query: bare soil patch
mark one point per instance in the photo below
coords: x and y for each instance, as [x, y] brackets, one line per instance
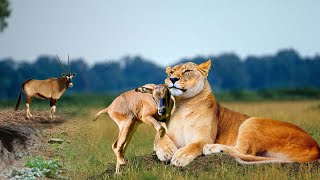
[20, 136]
[39, 120]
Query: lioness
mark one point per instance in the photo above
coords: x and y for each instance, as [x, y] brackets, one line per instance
[199, 120]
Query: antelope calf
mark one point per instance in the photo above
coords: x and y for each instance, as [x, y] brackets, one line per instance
[133, 107]
[52, 88]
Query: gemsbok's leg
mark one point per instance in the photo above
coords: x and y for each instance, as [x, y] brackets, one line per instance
[53, 107]
[28, 102]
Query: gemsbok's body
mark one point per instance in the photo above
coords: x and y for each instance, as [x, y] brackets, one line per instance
[52, 88]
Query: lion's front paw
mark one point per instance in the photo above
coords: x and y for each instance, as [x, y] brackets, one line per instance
[166, 152]
[181, 158]
[212, 148]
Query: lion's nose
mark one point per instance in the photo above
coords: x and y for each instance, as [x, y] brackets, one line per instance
[173, 80]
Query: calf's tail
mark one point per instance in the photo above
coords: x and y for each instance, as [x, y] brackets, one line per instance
[100, 113]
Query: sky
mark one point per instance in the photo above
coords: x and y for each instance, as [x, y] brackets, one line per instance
[161, 31]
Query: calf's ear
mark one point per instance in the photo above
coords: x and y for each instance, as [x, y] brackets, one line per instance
[144, 90]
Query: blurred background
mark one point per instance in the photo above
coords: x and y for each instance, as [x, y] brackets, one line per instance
[265, 62]
[260, 49]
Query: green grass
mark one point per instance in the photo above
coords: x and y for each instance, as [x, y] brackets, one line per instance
[88, 152]
[90, 155]
[38, 167]
[48, 168]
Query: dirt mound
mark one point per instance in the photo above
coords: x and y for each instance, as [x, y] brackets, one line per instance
[20, 135]
[150, 161]
[14, 142]
[197, 167]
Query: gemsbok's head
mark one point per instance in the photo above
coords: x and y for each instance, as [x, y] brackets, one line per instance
[66, 74]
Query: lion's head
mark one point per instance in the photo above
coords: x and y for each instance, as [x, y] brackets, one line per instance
[187, 80]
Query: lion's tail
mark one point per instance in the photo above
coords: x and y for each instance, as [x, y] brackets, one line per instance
[100, 113]
[249, 159]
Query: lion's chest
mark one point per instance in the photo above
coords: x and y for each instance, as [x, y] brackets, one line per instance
[181, 127]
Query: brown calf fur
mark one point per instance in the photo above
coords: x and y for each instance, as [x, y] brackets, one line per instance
[133, 107]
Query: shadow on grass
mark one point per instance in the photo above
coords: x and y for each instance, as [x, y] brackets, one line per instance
[203, 164]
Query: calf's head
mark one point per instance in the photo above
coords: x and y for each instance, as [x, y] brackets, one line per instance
[161, 95]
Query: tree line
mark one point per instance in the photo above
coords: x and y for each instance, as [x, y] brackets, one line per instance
[5, 12]
[285, 69]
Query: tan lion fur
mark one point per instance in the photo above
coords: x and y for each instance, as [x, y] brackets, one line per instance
[199, 121]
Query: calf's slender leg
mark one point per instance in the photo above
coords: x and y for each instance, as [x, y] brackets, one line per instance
[154, 123]
[132, 129]
[118, 146]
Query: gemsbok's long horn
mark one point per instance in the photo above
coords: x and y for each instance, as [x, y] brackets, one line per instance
[69, 66]
[61, 65]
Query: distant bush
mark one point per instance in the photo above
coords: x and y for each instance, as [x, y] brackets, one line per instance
[269, 94]
[290, 94]
[285, 69]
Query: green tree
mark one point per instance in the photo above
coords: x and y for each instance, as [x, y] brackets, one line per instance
[4, 14]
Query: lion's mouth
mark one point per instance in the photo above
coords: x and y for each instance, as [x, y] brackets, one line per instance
[173, 87]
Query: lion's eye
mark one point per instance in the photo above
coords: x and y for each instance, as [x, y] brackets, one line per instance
[171, 72]
[186, 71]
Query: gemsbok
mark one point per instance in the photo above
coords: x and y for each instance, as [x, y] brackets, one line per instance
[52, 88]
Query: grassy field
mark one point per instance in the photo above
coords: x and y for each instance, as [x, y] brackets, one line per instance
[88, 153]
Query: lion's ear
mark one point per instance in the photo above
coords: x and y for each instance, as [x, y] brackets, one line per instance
[205, 67]
[144, 90]
[168, 70]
